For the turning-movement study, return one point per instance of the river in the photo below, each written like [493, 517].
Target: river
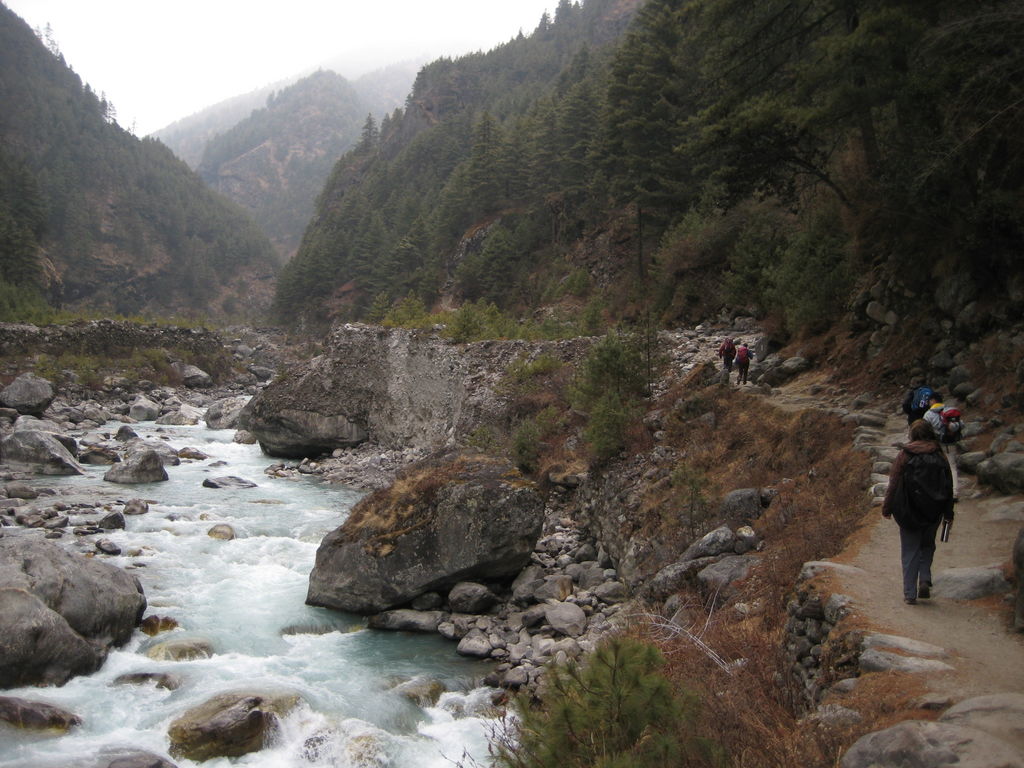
[246, 597]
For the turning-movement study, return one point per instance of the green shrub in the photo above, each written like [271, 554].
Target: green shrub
[615, 711]
[526, 445]
[605, 432]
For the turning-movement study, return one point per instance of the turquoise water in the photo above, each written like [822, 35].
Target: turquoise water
[245, 597]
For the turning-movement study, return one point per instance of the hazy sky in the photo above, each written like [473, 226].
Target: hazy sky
[161, 61]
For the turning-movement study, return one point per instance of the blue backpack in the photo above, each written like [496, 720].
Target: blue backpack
[921, 397]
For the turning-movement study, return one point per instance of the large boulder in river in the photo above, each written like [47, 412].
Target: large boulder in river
[39, 452]
[449, 518]
[27, 394]
[143, 467]
[396, 387]
[229, 724]
[60, 612]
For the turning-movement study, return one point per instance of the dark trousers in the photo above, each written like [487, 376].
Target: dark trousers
[917, 548]
[741, 372]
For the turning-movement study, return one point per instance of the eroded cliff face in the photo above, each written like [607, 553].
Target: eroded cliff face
[396, 388]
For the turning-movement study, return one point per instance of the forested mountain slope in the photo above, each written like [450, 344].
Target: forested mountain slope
[275, 161]
[787, 160]
[92, 217]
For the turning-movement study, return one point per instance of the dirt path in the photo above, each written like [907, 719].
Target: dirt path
[987, 655]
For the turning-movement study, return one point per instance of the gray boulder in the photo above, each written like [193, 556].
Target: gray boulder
[224, 414]
[39, 452]
[717, 542]
[124, 758]
[452, 517]
[406, 620]
[228, 481]
[716, 579]
[998, 714]
[36, 715]
[193, 376]
[970, 583]
[229, 724]
[470, 597]
[27, 394]
[1004, 472]
[921, 744]
[566, 618]
[743, 506]
[144, 467]
[167, 454]
[60, 612]
[186, 415]
[144, 409]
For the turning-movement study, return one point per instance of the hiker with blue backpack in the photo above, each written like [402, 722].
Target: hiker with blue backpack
[917, 402]
[919, 499]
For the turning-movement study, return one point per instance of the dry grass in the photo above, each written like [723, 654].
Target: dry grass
[751, 706]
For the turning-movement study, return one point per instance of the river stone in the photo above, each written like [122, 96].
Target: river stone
[125, 433]
[60, 612]
[163, 449]
[39, 452]
[21, 491]
[112, 521]
[192, 376]
[124, 758]
[229, 724]
[136, 507]
[221, 531]
[422, 691]
[36, 716]
[228, 481]
[406, 620]
[180, 649]
[471, 597]
[144, 467]
[143, 409]
[223, 414]
[566, 618]
[452, 517]
[153, 625]
[717, 578]
[163, 680]
[475, 644]
[923, 744]
[98, 455]
[186, 415]
[27, 394]
[107, 547]
[553, 587]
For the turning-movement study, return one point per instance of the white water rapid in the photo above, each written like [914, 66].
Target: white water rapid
[246, 598]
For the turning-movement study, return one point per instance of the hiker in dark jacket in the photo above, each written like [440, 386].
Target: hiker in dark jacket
[918, 521]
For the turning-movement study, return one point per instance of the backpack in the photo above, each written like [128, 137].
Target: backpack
[742, 355]
[927, 490]
[952, 426]
[920, 399]
[727, 350]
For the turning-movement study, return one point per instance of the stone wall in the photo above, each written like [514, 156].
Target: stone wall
[103, 337]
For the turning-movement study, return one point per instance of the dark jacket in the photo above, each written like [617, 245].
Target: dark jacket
[896, 476]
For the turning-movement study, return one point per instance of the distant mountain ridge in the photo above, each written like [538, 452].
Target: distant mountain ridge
[117, 224]
[275, 159]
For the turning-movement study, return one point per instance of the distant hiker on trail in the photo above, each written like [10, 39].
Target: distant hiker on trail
[727, 351]
[917, 402]
[919, 498]
[743, 356]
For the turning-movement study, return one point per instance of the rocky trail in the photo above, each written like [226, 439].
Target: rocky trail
[960, 640]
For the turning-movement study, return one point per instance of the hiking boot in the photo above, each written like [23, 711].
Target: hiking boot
[910, 600]
[924, 590]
